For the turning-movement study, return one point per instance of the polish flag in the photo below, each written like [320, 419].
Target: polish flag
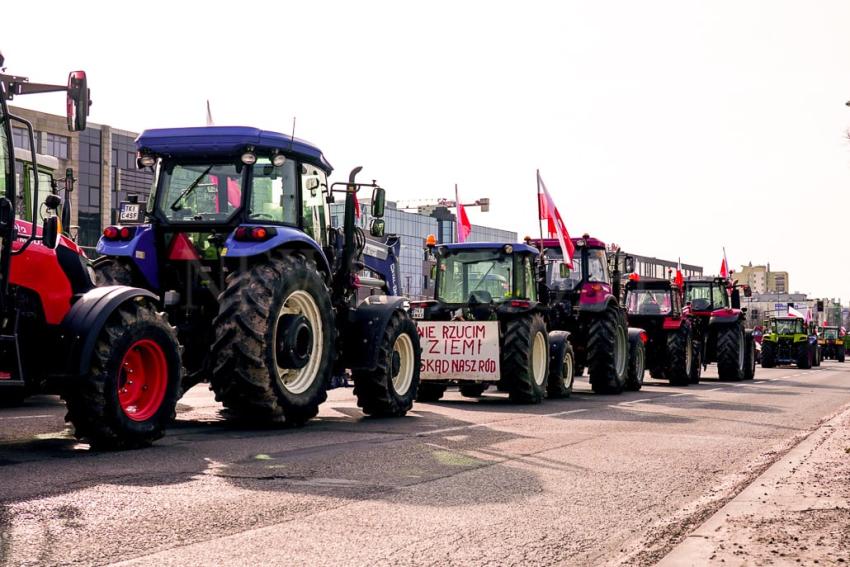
[680, 278]
[549, 212]
[464, 227]
[724, 266]
[794, 313]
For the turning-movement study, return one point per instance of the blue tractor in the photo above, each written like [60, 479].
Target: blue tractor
[237, 242]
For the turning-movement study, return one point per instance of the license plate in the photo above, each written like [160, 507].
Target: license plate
[418, 313]
[130, 212]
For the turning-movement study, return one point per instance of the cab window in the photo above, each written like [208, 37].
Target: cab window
[530, 287]
[718, 296]
[273, 193]
[314, 183]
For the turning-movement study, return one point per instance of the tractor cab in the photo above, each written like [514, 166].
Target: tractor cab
[705, 295]
[651, 298]
[479, 280]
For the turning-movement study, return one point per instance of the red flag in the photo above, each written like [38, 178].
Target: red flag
[680, 278]
[556, 223]
[724, 269]
[356, 205]
[464, 227]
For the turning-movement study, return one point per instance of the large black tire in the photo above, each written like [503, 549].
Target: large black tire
[730, 352]
[680, 355]
[607, 352]
[246, 376]
[749, 356]
[841, 353]
[430, 391]
[114, 271]
[561, 366]
[472, 389]
[525, 359]
[637, 364]
[804, 355]
[130, 394]
[390, 388]
[768, 354]
[695, 371]
[816, 354]
[12, 397]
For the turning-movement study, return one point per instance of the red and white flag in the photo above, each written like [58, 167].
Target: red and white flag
[794, 313]
[724, 266]
[680, 278]
[464, 227]
[549, 212]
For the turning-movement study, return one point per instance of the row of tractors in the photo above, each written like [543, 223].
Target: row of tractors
[516, 316]
[235, 273]
[787, 340]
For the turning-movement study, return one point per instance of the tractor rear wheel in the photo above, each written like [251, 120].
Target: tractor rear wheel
[637, 364]
[273, 352]
[430, 391]
[749, 356]
[389, 389]
[768, 354]
[525, 359]
[730, 352]
[695, 370]
[680, 355]
[561, 367]
[472, 390]
[130, 394]
[607, 352]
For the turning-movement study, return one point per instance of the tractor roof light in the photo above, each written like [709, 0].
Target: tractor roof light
[145, 159]
[509, 249]
[249, 157]
[430, 241]
[278, 159]
[581, 242]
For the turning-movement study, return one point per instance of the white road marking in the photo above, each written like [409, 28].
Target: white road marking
[475, 425]
[680, 394]
[714, 389]
[635, 401]
[25, 416]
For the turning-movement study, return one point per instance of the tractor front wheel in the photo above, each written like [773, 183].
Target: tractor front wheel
[749, 356]
[112, 271]
[274, 339]
[637, 364]
[841, 353]
[730, 352]
[130, 394]
[680, 355]
[390, 388]
[430, 391]
[768, 354]
[804, 356]
[561, 367]
[472, 390]
[608, 352]
[525, 359]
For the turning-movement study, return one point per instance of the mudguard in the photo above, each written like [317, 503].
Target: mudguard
[558, 341]
[724, 319]
[366, 329]
[86, 319]
[636, 334]
[286, 237]
[141, 249]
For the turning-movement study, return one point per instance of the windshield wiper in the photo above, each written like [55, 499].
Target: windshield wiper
[176, 206]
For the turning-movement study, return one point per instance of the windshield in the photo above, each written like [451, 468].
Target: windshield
[830, 333]
[787, 326]
[273, 196]
[705, 296]
[486, 275]
[597, 270]
[649, 302]
[200, 193]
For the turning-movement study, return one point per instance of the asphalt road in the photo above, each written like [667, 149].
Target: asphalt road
[589, 480]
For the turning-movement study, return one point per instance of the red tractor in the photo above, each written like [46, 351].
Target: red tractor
[583, 301]
[655, 305]
[714, 306]
[107, 351]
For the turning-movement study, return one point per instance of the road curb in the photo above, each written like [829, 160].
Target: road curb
[701, 544]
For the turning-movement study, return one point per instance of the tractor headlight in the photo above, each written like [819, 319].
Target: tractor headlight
[278, 159]
[249, 157]
[508, 249]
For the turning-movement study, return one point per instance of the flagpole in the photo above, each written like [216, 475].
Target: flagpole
[539, 214]
[458, 229]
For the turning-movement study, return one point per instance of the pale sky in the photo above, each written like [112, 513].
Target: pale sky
[672, 128]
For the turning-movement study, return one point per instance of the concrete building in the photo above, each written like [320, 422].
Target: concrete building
[104, 162]
[762, 280]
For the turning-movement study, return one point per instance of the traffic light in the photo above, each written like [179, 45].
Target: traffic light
[820, 305]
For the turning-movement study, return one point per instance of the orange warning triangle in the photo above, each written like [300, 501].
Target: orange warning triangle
[182, 249]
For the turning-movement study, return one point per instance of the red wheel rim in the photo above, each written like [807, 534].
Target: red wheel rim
[142, 380]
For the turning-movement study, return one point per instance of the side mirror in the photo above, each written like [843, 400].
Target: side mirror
[563, 271]
[748, 291]
[78, 101]
[377, 227]
[629, 264]
[379, 197]
[433, 272]
[50, 232]
[736, 299]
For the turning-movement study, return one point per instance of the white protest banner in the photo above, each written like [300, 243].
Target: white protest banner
[459, 350]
